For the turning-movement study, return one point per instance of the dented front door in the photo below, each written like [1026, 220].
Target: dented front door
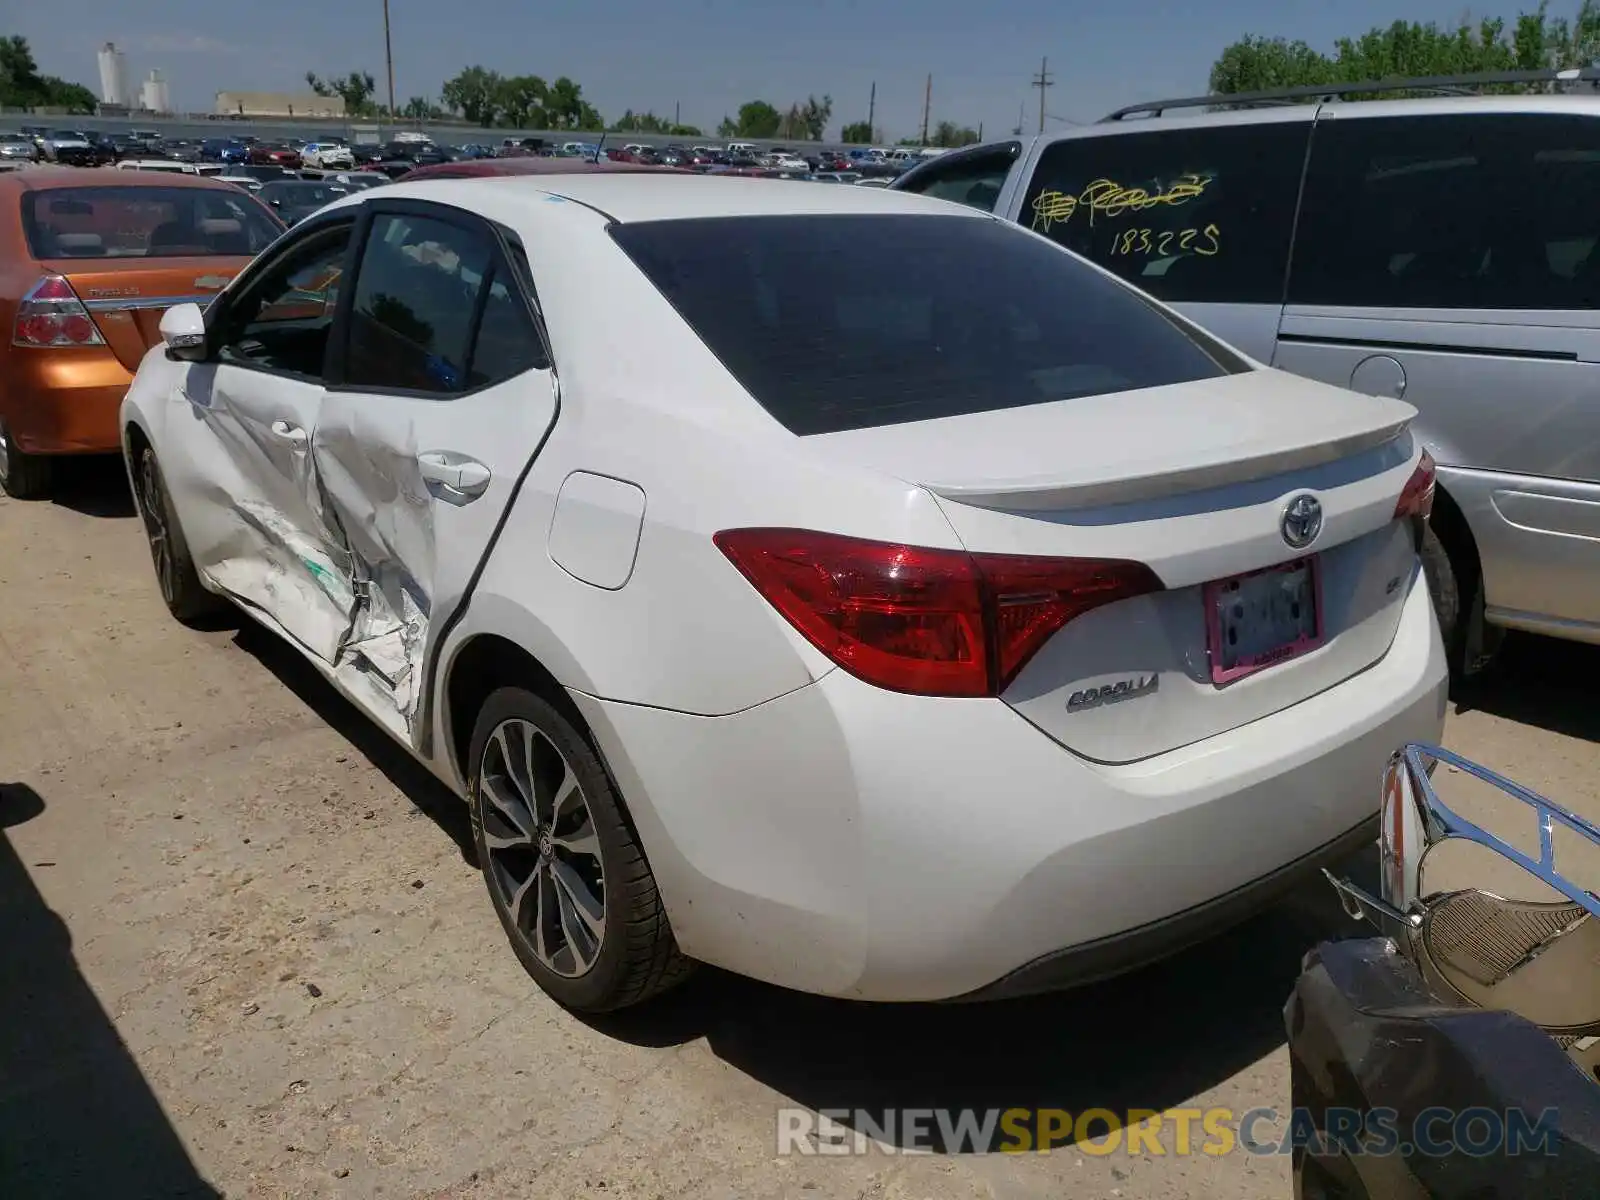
[238, 447]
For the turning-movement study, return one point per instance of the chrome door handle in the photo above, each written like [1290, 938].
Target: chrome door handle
[288, 432]
[464, 476]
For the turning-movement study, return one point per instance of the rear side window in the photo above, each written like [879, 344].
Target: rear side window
[415, 295]
[974, 316]
[1195, 215]
[145, 222]
[1491, 211]
[973, 178]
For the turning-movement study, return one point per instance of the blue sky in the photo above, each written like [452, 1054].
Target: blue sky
[711, 55]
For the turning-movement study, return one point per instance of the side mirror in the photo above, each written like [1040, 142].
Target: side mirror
[183, 329]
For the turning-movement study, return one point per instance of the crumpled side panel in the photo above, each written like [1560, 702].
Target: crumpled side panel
[372, 486]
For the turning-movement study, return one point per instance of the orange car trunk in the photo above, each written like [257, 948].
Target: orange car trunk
[128, 297]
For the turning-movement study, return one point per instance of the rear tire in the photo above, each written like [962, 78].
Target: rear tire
[1445, 589]
[24, 476]
[181, 590]
[565, 871]
[1455, 582]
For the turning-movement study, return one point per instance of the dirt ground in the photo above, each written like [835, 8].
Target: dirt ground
[246, 952]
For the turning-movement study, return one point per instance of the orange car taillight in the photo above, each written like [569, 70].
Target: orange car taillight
[50, 315]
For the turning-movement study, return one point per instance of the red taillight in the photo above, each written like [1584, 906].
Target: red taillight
[1416, 499]
[52, 315]
[913, 619]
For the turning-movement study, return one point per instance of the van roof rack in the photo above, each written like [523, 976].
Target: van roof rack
[1443, 85]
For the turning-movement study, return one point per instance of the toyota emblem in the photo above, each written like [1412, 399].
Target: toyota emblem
[1302, 521]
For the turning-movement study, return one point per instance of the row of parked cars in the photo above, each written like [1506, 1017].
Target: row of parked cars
[967, 630]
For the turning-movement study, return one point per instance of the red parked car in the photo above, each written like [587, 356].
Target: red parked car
[274, 154]
[477, 168]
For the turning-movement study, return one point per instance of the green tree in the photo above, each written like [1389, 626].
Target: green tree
[521, 102]
[648, 122]
[948, 133]
[806, 122]
[1408, 48]
[21, 85]
[420, 109]
[856, 132]
[757, 119]
[355, 89]
[475, 94]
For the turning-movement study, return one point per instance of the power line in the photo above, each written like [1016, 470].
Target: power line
[1041, 81]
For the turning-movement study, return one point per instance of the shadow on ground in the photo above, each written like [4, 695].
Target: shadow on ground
[77, 1118]
[1539, 681]
[1151, 1039]
[95, 485]
[414, 781]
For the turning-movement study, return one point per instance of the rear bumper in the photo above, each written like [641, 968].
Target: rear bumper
[63, 401]
[1077, 965]
[850, 841]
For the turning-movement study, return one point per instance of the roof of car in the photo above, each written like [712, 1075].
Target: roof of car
[628, 197]
[45, 178]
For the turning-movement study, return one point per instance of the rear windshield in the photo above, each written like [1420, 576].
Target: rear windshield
[145, 222]
[961, 315]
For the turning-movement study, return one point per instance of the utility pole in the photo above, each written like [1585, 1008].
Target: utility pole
[388, 55]
[980, 131]
[1017, 132]
[677, 112]
[872, 109]
[927, 105]
[1041, 81]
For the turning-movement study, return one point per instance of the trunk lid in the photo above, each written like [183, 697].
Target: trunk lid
[127, 297]
[1193, 481]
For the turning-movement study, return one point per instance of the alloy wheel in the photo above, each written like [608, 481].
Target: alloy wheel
[544, 854]
[153, 507]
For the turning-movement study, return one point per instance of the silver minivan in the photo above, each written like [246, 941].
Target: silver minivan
[1444, 251]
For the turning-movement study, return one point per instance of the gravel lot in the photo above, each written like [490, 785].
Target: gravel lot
[247, 952]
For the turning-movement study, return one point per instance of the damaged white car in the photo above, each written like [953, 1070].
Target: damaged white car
[970, 629]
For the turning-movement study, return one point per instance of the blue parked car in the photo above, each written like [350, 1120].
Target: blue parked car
[224, 150]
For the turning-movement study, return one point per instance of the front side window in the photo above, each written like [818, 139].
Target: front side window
[415, 296]
[280, 321]
[974, 316]
[145, 222]
[1481, 211]
[973, 178]
[1197, 215]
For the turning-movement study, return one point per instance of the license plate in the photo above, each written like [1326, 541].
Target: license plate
[1262, 618]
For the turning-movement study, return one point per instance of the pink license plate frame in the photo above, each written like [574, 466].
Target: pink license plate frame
[1304, 644]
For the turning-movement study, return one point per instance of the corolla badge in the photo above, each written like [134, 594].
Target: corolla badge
[1114, 693]
[1302, 521]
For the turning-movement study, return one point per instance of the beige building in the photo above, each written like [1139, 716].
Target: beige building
[278, 104]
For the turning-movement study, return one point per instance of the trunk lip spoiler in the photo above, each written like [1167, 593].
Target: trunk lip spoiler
[1156, 482]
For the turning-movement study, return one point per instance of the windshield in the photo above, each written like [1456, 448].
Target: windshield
[145, 222]
[976, 316]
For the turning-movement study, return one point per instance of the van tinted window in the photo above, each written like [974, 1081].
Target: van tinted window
[1187, 215]
[1490, 211]
[974, 316]
[970, 177]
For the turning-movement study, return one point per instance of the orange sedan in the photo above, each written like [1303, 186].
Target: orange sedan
[89, 261]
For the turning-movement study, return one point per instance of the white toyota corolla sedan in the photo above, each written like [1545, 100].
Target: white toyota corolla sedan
[970, 629]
